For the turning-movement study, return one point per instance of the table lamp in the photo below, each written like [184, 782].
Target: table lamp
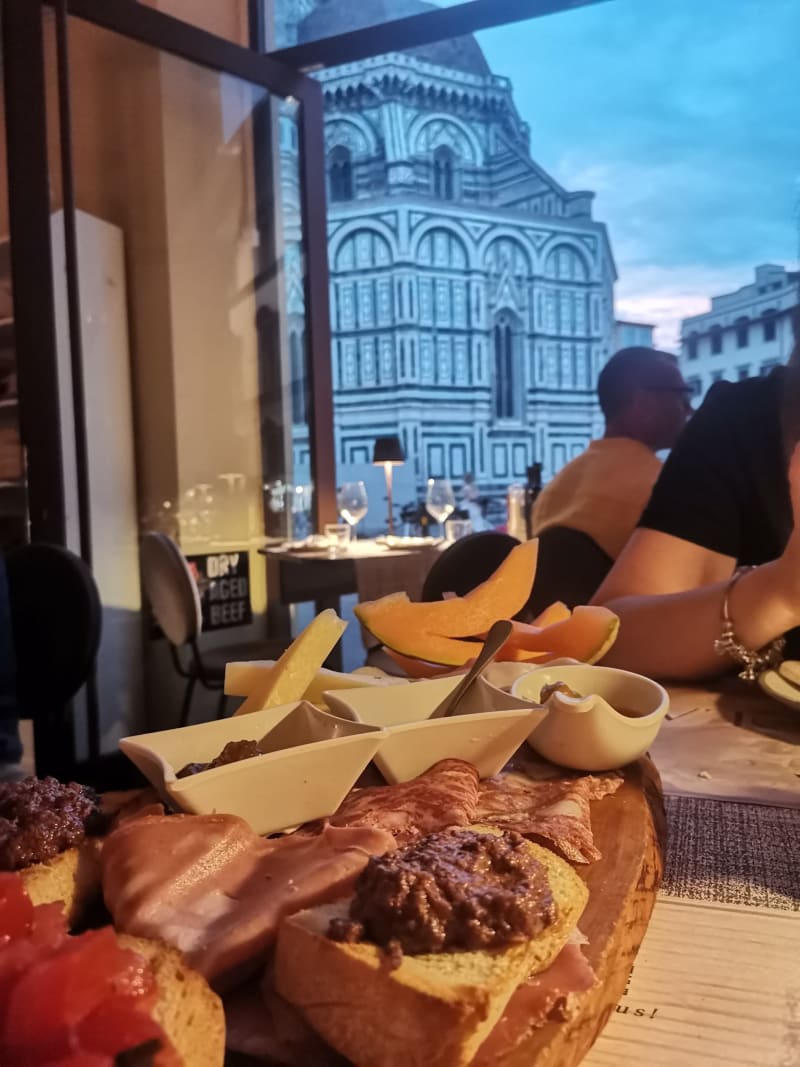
[388, 453]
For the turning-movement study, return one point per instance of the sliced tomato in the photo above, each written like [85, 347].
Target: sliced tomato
[16, 909]
[82, 1059]
[56, 993]
[117, 1025]
[49, 927]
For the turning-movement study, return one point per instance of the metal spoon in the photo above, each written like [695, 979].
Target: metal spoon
[495, 639]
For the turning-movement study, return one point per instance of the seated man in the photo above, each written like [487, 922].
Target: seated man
[603, 491]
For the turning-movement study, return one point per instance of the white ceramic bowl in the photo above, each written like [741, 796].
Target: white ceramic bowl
[312, 760]
[614, 722]
[486, 732]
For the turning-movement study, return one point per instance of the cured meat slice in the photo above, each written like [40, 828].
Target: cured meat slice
[552, 994]
[261, 1024]
[445, 795]
[554, 811]
[210, 887]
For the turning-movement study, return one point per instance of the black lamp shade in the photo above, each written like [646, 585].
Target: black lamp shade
[388, 450]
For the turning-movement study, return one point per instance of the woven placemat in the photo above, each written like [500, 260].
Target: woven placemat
[728, 853]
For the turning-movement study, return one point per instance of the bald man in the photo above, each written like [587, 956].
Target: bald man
[603, 491]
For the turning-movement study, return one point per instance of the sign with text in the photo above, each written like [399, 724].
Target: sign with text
[223, 579]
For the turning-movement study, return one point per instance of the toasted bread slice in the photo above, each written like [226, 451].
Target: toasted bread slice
[187, 1009]
[73, 877]
[433, 1010]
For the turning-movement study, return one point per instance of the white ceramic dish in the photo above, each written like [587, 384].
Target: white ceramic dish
[487, 730]
[588, 733]
[780, 689]
[503, 675]
[311, 760]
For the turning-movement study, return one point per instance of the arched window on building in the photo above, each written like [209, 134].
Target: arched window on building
[340, 174]
[716, 340]
[505, 339]
[297, 365]
[444, 168]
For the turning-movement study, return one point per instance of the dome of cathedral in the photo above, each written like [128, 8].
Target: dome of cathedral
[332, 17]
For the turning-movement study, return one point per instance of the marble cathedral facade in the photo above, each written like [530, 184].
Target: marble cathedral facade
[471, 295]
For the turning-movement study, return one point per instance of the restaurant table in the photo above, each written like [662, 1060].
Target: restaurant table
[368, 568]
[717, 978]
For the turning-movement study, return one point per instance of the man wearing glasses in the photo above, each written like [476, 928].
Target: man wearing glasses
[603, 491]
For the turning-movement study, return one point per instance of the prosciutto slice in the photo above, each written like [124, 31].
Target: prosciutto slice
[209, 886]
[262, 1025]
[445, 795]
[554, 811]
[553, 994]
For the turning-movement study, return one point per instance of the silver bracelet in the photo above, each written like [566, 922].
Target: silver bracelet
[728, 644]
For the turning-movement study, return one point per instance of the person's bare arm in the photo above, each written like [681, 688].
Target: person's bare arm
[668, 594]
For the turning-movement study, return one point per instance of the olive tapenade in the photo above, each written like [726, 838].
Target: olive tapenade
[234, 752]
[452, 890]
[42, 817]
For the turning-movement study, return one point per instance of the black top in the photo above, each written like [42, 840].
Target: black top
[724, 485]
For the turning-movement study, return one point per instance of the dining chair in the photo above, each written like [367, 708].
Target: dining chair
[571, 567]
[172, 591]
[56, 618]
[466, 563]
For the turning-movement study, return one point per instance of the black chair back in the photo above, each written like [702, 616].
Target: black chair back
[467, 563]
[571, 568]
[56, 621]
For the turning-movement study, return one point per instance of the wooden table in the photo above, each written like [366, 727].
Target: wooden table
[717, 979]
[323, 578]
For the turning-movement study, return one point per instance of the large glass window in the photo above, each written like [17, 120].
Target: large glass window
[523, 171]
[191, 281]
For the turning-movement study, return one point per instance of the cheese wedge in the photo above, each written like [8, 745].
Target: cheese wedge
[293, 672]
[242, 676]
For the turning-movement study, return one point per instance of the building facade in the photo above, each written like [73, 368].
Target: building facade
[746, 333]
[471, 294]
[632, 335]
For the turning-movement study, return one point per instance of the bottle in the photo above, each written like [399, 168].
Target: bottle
[532, 490]
[515, 505]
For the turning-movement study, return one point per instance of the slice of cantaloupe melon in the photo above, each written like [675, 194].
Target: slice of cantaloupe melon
[586, 634]
[500, 597]
[417, 668]
[557, 612]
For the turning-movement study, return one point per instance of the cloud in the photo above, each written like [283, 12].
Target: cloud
[685, 121]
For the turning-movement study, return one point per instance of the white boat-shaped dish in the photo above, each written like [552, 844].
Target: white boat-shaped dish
[486, 731]
[311, 760]
[613, 722]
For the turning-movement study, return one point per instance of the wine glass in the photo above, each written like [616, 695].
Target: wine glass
[440, 500]
[352, 501]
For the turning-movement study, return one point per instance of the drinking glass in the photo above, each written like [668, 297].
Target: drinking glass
[455, 529]
[440, 500]
[352, 501]
[338, 535]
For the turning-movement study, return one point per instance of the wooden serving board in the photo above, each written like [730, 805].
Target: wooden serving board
[629, 829]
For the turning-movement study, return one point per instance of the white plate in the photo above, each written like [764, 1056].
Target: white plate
[778, 688]
[486, 732]
[313, 760]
